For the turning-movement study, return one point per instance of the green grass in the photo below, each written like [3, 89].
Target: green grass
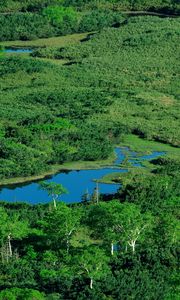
[111, 178]
[82, 238]
[120, 74]
[133, 142]
[53, 61]
[59, 41]
[138, 144]
[75, 165]
[125, 178]
[141, 146]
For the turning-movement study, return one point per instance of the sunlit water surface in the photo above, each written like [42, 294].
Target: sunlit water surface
[76, 182]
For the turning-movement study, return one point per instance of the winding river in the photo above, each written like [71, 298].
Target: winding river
[76, 182]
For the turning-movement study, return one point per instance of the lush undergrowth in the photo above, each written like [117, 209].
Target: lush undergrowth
[58, 41]
[39, 19]
[69, 103]
[126, 248]
[121, 81]
[54, 21]
[38, 5]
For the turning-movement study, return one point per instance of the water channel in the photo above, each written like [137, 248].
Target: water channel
[76, 182]
[18, 50]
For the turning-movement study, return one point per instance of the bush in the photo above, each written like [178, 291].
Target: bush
[98, 19]
[21, 294]
[24, 26]
[64, 19]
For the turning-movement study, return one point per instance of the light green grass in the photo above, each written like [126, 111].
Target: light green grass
[59, 41]
[82, 238]
[138, 144]
[124, 178]
[23, 55]
[51, 60]
[133, 142]
[141, 146]
[111, 178]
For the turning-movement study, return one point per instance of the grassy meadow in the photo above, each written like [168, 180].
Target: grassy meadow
[57, 41]
[119, 86]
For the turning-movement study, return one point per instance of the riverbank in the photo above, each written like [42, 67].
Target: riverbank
[70, 39]
[138, 144]
[134, 143]
[54, 169]
[58, 41]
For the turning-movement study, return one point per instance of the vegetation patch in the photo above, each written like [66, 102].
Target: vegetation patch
[114, 89]
[66, 107]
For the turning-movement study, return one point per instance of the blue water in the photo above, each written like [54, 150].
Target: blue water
[120, 155]
[151, 156]
[137, 160]
[76, 182]
[18, 50]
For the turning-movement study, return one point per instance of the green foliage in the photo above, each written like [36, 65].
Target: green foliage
[1, 51]
[54, 190]
[121, 224]
[98, 19]
[28, 27]
[94, 263]
[10, 6]
[46, 18]
[19, 159]
[54, 20]
[61, 225]
[166, 166]
[151, 192]
[119, 84]
[50, 259]
[34, 5]
[59, 15]
[120, 80]
[21, 294]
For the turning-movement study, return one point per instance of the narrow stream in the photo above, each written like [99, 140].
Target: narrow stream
[18, 50]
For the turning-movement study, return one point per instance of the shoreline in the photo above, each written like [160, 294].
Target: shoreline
[68, 166]
[55, 169]
[131, 141]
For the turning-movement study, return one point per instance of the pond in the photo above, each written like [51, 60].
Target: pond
[18, 50]
[76, 182]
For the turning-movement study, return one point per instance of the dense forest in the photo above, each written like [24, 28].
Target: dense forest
[98, 72]
[124, 248]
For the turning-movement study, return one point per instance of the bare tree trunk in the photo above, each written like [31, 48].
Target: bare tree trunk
[3, 253]
[68, 236]
[133, 247]
[132, 244]
[54, 200]
[9, 245]
[112, 249]
[91, 283]
[67, 245]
